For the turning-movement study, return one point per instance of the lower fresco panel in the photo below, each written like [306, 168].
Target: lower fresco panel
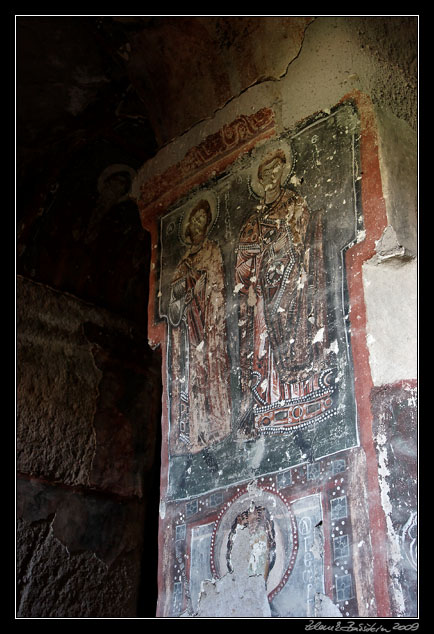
[291, 530]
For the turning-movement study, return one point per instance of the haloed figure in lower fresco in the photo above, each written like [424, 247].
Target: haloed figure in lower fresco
[252, 532]
[283, 330]
[200, 401]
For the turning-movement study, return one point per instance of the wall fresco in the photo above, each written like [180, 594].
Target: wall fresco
[253, 290]
[293, 529]
[259, 379]
[277, 478]
[200, 412]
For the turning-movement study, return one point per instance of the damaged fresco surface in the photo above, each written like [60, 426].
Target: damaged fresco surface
[271, 498]
[252, 289]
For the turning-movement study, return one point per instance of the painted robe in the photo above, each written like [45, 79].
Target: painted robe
[280, 274]
[200, 374]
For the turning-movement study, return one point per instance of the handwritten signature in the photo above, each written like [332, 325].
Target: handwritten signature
[352, 626]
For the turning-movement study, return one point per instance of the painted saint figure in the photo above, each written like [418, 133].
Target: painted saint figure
[200, 402]
[281, 277]
[256, 554]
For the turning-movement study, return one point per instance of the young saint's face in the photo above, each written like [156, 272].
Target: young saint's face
[271, 173]
[197, 226]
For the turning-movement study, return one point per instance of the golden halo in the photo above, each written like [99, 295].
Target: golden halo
[266, 152]
[211, 198]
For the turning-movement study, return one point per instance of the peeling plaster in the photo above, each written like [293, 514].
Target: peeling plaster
[324, 607]
[258, 457]
[394, 550]
[233, 596]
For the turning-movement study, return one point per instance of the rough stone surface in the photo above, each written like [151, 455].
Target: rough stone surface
[55, 583]
[398, 154]
[83, 392]
[338, 55]
[88, 402]
[221, 56]
[82, 520]
[56, 406]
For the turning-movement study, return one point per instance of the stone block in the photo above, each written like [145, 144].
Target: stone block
[78, 555]
[87, 393]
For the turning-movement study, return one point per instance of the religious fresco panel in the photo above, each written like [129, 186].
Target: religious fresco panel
[253, 291]
[260, 405]
[299, 538]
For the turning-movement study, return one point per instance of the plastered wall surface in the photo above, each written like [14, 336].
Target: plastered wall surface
[272, 242]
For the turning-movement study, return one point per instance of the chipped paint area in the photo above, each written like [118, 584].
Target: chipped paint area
[395, 422]
[319, 335]
[394, 550]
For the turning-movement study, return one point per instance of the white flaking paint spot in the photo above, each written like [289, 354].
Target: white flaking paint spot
[319, 335]
[361, 235]
[333, 347]
[199, 347]
[162, 509]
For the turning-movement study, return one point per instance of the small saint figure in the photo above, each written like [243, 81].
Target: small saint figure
[199, 394]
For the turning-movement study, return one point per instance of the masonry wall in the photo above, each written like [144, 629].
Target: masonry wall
[84, 461]
[88, 392]
[285, 313]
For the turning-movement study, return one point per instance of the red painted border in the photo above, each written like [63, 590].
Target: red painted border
[375, 221]
[202, 162]
[328, 557]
